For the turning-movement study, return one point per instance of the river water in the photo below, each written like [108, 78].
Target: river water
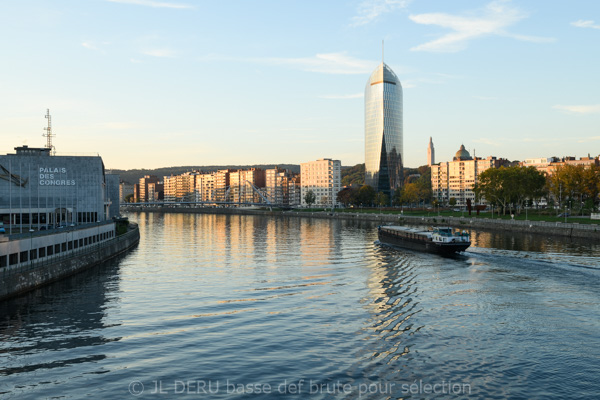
[215, 306]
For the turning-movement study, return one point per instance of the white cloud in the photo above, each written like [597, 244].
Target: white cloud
[342, 96]
[489, 142]
[370, 10]
[329, 63]
[150, 3]
[580, 109]
[164, 53]
[585, 24]
[589, 139]
[492, 20]
[326, 63]
[89, 45]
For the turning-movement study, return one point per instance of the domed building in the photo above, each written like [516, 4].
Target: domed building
[462, 154]
[457, 178]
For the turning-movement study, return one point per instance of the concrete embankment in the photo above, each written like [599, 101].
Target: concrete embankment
[574, 230]
[18, 279]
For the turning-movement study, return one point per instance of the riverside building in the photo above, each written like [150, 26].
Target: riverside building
[52, 207]
[57, 218]
[38, 189]
[180, 187]
[323, 177]
[457, 178]
[383, 131]
[549, 165]
[148, 189]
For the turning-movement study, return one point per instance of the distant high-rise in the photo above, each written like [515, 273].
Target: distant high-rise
[430, 153]
[383, 131]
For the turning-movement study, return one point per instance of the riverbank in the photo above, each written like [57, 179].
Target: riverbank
[574, 230]
[21, 278]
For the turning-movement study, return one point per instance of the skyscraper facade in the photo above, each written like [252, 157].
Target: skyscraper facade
[383, 131]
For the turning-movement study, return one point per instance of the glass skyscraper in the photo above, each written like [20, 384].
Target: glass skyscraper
[383, 131]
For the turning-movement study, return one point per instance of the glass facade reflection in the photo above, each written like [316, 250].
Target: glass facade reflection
[383, 131]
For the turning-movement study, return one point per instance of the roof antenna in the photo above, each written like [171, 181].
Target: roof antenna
[49, 134]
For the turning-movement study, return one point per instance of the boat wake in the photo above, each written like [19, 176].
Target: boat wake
[563, 261]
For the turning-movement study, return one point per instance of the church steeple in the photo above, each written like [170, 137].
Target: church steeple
[430, 153]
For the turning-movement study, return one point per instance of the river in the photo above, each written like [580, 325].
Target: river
[250, 307]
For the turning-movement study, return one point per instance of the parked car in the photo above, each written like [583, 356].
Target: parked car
[2, 230]
[565, 214]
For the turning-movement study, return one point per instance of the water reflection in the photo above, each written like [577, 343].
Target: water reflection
[46, 329]
[536, 243]
[273, 300]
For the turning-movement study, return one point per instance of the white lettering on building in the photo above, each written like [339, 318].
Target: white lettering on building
[54, 177]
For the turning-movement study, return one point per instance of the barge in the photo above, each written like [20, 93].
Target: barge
[439, 240]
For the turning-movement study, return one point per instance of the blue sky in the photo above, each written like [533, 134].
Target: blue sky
[153, 83]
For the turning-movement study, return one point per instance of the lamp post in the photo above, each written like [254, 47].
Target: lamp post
[30, 245]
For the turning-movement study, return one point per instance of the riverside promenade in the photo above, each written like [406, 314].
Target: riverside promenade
[572, 230]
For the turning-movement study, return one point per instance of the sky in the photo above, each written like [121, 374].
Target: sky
[158, 83]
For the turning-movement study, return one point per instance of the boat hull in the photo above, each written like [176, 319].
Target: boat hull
[421, 243]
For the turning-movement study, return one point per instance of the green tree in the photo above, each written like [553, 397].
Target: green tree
[510, 187]
[310, 198]
[382, 199]
[129, 198]
[452, 201]
[366, 196]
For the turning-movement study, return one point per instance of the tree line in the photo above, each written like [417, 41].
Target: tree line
[512, 188]
[508, 188]
[416, 189]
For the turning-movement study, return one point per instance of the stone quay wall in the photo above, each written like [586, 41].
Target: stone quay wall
[18, 279]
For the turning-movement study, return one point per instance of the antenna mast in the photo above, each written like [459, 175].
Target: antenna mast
[48, 133]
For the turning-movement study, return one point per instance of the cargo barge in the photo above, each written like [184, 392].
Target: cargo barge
[439, 240]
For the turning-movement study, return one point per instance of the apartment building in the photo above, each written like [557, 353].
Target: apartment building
[457, 178]
[323, 177]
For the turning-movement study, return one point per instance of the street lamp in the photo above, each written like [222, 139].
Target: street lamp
[30, 245]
